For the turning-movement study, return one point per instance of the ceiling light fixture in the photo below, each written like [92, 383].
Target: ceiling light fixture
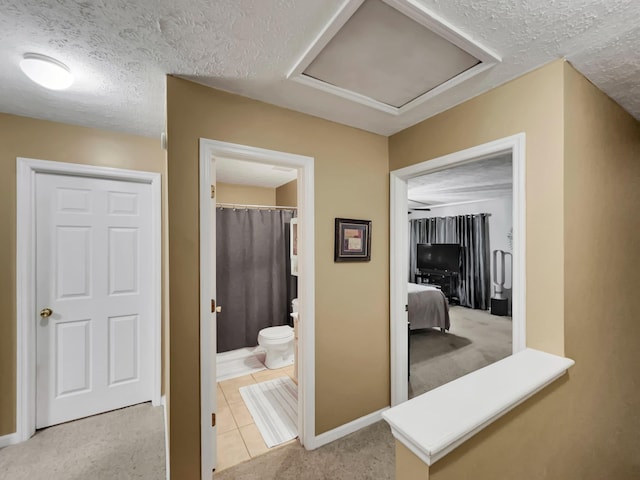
[46, 71]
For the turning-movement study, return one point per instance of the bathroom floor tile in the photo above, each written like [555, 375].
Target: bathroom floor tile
[253, 440]
[224, 419]
[231, 450]
[220, 396]
[241, 414]
[269, 375]
[231, 387]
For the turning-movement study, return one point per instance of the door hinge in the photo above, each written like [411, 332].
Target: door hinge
[406, 308]
[213, 191]
[213, 419]
[213, 305]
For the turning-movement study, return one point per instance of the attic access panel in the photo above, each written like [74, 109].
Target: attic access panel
[391, 55]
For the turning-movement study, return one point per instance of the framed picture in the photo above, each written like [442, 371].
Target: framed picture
[353, 240]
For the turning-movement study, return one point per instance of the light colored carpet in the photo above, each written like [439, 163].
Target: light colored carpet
[364, 455]
[237, 363]
[476, 339]
[123, 444]
[274, 408]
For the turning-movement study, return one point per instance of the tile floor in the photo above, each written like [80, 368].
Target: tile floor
[238, 437]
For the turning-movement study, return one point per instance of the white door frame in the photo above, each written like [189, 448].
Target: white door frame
[27, 168]
[399, 258]
[209, 149]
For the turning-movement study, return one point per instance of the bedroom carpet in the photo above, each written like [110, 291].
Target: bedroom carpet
[363, 455]
[123, 444]
[476, 339]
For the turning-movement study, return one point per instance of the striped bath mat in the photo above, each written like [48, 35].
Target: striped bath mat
[274, 408]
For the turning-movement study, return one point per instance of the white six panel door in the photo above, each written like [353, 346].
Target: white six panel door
[93, 268]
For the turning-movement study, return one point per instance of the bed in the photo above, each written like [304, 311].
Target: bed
[428, 307]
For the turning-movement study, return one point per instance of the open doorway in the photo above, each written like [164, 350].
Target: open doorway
[257, 359]
[432, 253]
[256, 292]
[460, 270]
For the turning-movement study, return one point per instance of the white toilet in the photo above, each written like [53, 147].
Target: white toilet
[278, 345]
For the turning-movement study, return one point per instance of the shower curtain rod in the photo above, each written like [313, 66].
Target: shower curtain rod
[263, 207]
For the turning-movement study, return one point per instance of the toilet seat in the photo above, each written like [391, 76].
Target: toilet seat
[276, 333]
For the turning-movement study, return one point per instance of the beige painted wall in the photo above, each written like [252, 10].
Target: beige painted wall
[585, 426]
[602, 281]
[30, 138]
[351, 180]
[408, 465]
[245, 194]
[287, 194]
[530, 104]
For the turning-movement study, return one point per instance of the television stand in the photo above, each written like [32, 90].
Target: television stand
[445, 280]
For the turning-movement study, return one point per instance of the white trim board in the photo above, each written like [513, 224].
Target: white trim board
[399, 240]
[209, 149]
[420, 14]
[27, 169]
[7, 440]
[484, 396]
[347, 428]
[163, 402]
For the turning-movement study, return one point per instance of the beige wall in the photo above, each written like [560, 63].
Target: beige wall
[26, 137]
[602, 281]
[585, 426]
[351, 180]
[408, 465]
[530, 104]
[287, 194]
[245, 194]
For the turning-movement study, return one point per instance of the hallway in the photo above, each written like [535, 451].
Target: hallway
[124, 444]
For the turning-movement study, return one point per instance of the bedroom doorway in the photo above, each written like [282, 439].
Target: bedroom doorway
[230, 401]
[453, 254]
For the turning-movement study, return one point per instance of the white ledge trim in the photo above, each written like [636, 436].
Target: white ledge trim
[434, 423]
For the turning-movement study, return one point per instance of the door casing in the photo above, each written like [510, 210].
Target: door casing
[26, 314]
[209, 149]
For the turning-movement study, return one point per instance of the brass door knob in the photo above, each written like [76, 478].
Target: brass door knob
[46, 312]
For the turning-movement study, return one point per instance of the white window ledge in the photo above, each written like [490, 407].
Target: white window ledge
[434, 423]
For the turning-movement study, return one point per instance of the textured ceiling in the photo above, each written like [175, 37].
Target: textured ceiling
[121, 50]
[472, 182]
[241, 172]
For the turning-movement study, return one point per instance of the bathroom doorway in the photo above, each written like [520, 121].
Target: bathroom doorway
[256, 290]
[257, 356]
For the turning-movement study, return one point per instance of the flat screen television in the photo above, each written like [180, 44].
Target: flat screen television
[439, 256]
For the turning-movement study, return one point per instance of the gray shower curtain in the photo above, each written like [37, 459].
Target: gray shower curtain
[253, 281]
[472, 233]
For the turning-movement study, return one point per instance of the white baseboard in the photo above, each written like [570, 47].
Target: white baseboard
[11, 439]
[346, 429]
[163, 402]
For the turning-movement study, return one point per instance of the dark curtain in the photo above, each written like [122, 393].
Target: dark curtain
[253, 283]
[472, 233]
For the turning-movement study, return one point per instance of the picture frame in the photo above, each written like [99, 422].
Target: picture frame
[352, 240]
